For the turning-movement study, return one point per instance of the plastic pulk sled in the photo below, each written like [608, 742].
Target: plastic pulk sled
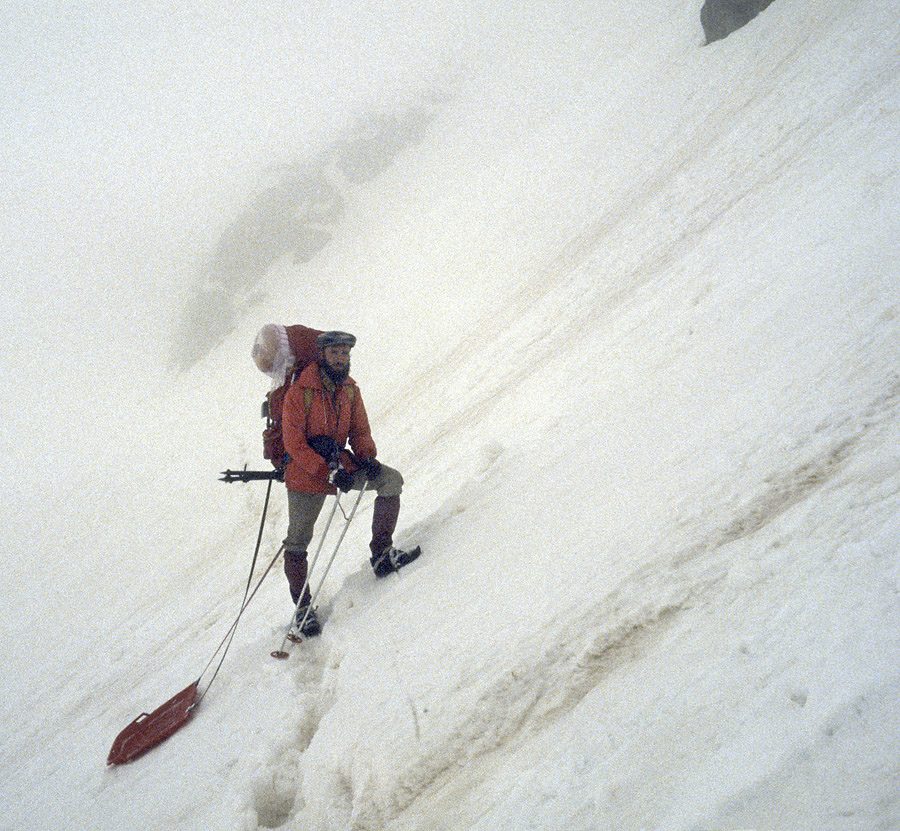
[149, 729]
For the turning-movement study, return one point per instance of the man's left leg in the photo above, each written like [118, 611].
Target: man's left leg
[388, 485]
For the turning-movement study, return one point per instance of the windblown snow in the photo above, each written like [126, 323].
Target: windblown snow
[628, 321]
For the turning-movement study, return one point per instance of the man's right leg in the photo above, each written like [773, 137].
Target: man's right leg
[303, 511]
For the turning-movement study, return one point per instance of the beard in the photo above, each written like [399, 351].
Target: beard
[336, 374]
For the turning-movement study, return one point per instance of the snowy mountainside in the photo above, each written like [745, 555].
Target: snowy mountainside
[634, 348]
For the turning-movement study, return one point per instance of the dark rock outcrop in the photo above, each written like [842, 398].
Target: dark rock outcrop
[722, 17]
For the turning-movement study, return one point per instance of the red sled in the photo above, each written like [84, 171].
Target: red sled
[149, 729]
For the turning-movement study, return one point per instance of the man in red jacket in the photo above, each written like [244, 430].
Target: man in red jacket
[323, 410]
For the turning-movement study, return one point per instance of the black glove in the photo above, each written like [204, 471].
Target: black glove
[372, 467]
[343, 480]
[326, 447]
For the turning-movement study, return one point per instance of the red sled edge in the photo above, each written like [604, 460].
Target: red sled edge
[149, 729]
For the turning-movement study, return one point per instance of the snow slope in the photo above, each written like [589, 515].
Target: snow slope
[628, 324]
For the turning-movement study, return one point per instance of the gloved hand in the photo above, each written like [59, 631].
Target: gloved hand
[372, 467]
[343, 480]
[326, 447]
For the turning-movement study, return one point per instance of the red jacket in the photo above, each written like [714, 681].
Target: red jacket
[314, 407]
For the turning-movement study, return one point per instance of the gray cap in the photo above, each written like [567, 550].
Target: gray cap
[335, 339]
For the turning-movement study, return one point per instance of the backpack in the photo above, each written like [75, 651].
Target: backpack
[302, 344]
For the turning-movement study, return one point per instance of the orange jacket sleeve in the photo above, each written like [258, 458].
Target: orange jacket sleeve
[360, 435]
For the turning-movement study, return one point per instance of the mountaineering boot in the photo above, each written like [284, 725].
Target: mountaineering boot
[305, 623]
[393, 559]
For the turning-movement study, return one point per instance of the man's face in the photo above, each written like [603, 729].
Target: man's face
[337, 358]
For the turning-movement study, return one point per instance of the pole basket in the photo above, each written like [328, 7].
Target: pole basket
[149, 729]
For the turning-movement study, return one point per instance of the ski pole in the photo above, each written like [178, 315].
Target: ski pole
[281, 653]
[334, 553]
[334, 507]
[312, 565]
